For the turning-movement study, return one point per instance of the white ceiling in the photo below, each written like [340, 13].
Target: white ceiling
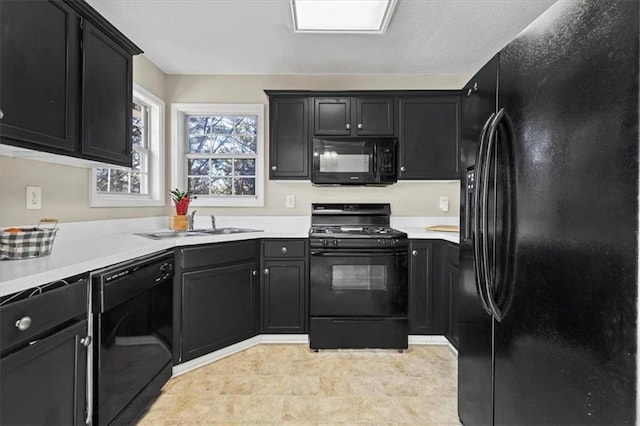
[255, 36]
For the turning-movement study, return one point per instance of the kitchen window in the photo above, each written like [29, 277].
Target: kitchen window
[140, 185]
[218, 153]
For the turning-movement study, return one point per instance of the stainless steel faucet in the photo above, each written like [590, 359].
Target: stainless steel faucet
[213, 222]
[190, 218]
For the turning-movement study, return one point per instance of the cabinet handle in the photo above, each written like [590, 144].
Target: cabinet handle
[254, 272]
[360, 126]
[348, 126]
[86, 341]
[266, 271]
[284, 250]
[403, 169]
[1, 114]
[414, 253]
[274, 168]
[23, 323]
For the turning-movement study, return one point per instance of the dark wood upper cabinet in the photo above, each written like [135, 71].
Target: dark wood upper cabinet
[429, 137]
[289, 138]
[361, 116]
[66, 75]
[39, 75]
[374, 116]
[106, 98]
[332, 116]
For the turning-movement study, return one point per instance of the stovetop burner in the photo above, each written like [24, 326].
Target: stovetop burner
[362, 231]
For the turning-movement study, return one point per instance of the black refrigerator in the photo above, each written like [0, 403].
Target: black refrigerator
[549, 223]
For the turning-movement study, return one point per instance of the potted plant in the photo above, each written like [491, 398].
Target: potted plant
[182, 200]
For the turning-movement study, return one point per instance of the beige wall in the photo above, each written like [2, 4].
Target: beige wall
[65, 189]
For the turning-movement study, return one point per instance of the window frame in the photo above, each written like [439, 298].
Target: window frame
[155, 173]
[179, 144]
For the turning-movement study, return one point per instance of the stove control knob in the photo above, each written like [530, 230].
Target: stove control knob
[335, 243]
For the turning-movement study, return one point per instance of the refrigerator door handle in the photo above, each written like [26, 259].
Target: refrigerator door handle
[489, 273]
[477, 253]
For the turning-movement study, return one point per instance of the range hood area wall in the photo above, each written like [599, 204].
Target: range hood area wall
[65, 189]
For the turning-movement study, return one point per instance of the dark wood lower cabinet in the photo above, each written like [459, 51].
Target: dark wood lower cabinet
[284, 286]
[45, 383]
[284, 296]
[216, 297]
[433, 286]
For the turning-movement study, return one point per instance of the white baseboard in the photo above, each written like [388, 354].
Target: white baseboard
[284, 338]
[215, 356]
[432, 340]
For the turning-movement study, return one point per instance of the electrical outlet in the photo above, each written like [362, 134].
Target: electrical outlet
[291, 201]
[444, 203]
[34, 198]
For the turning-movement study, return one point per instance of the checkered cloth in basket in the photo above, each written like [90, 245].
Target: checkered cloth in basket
[28, 243]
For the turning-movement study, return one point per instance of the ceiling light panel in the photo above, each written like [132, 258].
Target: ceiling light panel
[342, 16]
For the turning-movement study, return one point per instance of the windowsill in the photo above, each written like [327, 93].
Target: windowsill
[119, 201]
[203, 201]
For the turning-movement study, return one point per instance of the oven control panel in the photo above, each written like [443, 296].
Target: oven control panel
[358, 243]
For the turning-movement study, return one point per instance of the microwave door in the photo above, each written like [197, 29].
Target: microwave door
[343, 163]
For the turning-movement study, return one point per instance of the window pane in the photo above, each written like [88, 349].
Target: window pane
[246, 144]
[198, 167]
[246, 124]
[119, 181]
[245, 186]
[221, 186]
[136, 136]
[223, 144]
[245, 166]
[102, 180]
[223, 125]
[135, 165]
[135, 183]
[221, 167]
[200, 144]
[198, 185]
[199, 125]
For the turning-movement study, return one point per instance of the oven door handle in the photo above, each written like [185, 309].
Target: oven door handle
[343, 253]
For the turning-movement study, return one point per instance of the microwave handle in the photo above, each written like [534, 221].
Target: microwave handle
[375, 161]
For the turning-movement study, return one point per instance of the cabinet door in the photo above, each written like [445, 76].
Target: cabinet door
[428, 138]
[284, 296]
[45, 383]
[453, 276]
[106, 98]
[39, 75]
[421, 274]
[218, 308]
[374, 116]
[289, 140]
[332, 116]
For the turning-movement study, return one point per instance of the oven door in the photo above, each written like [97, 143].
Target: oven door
[343, 162]
[365, 283]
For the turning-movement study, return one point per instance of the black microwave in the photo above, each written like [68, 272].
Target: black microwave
[354, 161]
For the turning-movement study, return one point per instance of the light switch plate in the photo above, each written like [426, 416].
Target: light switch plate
[34, 198]
[291, 201]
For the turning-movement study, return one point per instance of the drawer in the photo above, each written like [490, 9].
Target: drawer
[218, 254]
[45, 312]
[452, 254]
[284, 248]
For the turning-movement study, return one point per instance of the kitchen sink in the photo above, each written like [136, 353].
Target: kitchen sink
[195, 233]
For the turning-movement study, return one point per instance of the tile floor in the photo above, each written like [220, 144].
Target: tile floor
[289, 384]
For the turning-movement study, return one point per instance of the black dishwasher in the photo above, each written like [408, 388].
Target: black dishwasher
[133, 336]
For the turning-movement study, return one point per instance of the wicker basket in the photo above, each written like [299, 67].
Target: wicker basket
[26, 243]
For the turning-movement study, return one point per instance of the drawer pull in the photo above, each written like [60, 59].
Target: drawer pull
[23, 323]
[86, 341]
[284, 250]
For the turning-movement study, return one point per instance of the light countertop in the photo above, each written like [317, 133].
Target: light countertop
[86, 246]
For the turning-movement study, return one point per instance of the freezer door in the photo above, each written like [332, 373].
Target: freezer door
[565, 351]
[475, 393]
